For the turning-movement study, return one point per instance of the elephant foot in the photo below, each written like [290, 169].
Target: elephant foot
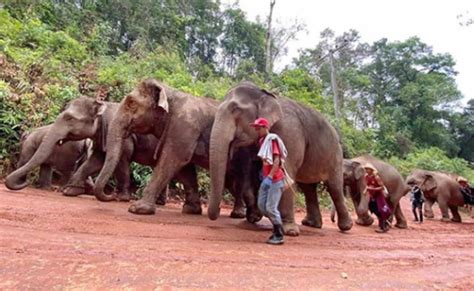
[312, 222]
[142, 207]
[253, 215]
[428, 215]
[366, 221]
[456, 219]
[345, 223]
[444, 219]
[192, 209]
[401, 224]
[291, 229]
[89, 187]
[238, 213]
[73, 191]
[124, 197]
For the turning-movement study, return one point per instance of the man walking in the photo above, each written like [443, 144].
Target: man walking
[272, 152]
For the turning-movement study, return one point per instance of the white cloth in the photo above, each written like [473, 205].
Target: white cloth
[266, 150]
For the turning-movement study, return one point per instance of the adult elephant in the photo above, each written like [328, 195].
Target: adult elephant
[64, 161]
[438, 187]
[354, 180]
[314, 152]
[183, 124]
[84, 118]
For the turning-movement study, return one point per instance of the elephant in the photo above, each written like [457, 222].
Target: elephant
[354, 180]
[64, 160]
[84, 118]
[314, 151]
[183, 123]
[438, 187]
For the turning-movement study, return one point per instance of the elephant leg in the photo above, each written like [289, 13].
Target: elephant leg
[172, 159]
[45, 176]
[455, 213]
[77, 183]
[401, 220]
[163, 196]
[287, 213]
[335, 189]
[122, 175]
[429, 208]
[252, 213]
[443, 206]
[313, 213]
[333, 212]
[237, 189]
[188, 177]
[238, 210]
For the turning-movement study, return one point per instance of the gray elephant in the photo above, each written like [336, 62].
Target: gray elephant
[64, 161]
[182, 123]
[438, 187]
[354, 181]
[83, 118]
[313, 145]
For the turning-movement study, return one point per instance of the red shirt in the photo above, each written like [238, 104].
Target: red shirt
[372, 182]
[279, 174]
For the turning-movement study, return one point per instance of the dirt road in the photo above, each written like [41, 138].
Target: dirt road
[50, 241]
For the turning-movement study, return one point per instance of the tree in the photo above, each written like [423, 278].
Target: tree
[242, 41]
[268, 42]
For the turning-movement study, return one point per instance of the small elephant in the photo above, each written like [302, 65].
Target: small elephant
[182, 123]
[354, 180]
[64, 161]
[438, 187]
[314, 151]
[84, 118]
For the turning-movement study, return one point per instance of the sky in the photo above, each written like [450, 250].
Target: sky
[435, 22]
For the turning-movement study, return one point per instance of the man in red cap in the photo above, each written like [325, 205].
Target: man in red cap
[272, 152]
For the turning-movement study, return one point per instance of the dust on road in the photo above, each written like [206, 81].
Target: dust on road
[51, 241]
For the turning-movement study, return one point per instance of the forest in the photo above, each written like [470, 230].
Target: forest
[397, 100]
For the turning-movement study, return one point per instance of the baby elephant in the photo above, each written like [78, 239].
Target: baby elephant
[416, 198]
[64, 160]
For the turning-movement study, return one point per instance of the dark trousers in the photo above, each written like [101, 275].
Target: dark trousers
[417, 205]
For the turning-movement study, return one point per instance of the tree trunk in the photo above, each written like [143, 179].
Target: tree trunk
[268, 44]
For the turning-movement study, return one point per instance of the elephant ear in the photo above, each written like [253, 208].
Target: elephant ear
[158, 94]
[269, 108]
[430, 183]
[359, 172]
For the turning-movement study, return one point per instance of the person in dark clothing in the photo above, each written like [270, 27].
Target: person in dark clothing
[466, 190]
[417, 201]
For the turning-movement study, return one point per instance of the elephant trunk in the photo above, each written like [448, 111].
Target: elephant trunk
[114, 146]
[222, 135]
[361, 202]
[17, 179]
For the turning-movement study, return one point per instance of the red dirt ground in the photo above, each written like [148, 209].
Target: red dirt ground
[48, 241]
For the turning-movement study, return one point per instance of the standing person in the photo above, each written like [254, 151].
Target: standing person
[466, 190]
[272, 152]
[377, 205]
[417, 202]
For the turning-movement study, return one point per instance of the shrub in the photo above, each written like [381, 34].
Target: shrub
[433, 159]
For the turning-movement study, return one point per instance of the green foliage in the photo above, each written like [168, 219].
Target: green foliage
[433, 159]
[140, 175]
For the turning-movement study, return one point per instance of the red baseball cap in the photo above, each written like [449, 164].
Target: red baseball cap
[260, 122]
